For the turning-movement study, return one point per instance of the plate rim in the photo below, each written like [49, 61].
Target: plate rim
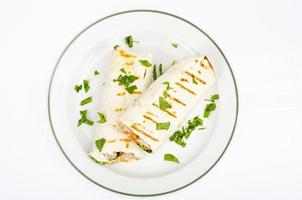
[133, 11]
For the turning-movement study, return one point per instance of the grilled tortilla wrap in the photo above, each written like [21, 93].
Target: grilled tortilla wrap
[168, 100]
[118, 146]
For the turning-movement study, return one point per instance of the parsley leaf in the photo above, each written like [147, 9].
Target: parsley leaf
[96, 72]
[170, 157]
[163, 104]
[131, 89]
[100, 144]
[77, 88]
[86, 101]
[163, 126]
[145, 63]
[102, 118]
[86, 85]
[129, 41]
[174, 45]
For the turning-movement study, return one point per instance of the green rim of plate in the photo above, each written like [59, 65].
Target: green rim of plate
[121, 13]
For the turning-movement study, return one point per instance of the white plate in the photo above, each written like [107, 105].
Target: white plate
[91, 49]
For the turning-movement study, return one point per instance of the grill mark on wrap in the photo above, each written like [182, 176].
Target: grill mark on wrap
[126, 55]
[208, 62]
[185, 88]
[176, 100]
[184, 80]
[135, 126]
[125, 139]
[195, 77]
[166, 111]
[121, 93]
[150, 119]
[152, 114]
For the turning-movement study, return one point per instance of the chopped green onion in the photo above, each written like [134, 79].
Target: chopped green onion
[84, 119]
[129, 41]
[86, 101]
[174, 45]
[160, 69]
[145, 63]
[154, 73]
[208, 109]
[131, 89]
[163, 104]
[179, 135]
[123, 71]
[168, 85]
[102, 118]
[170, 157]
[77, 88]
[100, 144]
[194, 81]
[165, 94]
[96, 72]
[145, 73]
[86, 85]
[215, 97]
[163, 126]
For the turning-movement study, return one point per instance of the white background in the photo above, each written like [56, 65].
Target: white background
[261, 39]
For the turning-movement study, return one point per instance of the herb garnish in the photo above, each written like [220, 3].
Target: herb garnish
[145, 63]
[168, 85]
[211, 106]
[131, 89]
[100, 144]
[163, 126]
[174, 45]
[126, 81]
[77, 88]
[163, 104]
[145, 73]
[129, 41]
[154, 73]
[86, 85]
[102, 118]
[84, 119]
[123, 71]
[96, 72]
[160, 69]
[170, 157]
[215, 97]
[179, 135]
[86, 101]
[208, 109]
[165, 94]
[194, 81]
[115, 47]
